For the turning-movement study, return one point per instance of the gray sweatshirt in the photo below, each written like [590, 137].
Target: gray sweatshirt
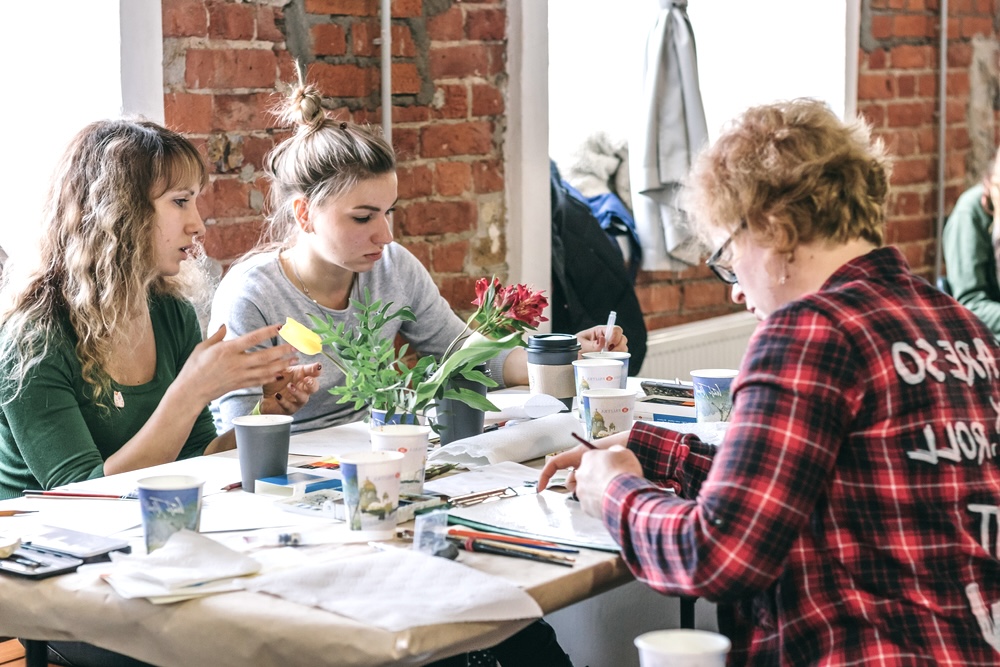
[256, 292]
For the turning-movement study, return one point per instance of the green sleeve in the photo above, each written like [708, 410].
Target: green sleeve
[969, 258]
[203, 431]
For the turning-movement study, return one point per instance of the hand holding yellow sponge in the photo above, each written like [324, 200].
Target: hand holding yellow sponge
[301, 337]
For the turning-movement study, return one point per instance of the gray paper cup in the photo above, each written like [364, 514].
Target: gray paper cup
[262, 445]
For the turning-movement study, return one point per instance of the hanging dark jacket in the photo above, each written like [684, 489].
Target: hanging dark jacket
[589, 278]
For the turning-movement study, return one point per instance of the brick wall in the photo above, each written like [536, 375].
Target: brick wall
[224, 59]
[898, 90]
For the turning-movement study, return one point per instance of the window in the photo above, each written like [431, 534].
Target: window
[68, 63]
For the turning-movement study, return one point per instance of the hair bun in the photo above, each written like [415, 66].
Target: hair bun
[303, 107]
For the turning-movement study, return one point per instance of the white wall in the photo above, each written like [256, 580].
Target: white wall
[64, 69]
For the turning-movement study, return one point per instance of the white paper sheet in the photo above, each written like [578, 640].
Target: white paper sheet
[331, 441]
[390, 590]
[518, 442]
[485, 478]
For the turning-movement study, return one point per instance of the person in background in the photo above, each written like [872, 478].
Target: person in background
[970, 243]
[103, 365]
[849, 514]
[333, 186]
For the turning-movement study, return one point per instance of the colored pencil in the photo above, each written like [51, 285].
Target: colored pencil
[583, 442]
[16, 512]
[76, 494]
[496, 537]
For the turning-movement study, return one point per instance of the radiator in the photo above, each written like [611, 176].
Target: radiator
[718, 342]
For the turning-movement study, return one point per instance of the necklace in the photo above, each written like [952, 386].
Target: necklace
[305, 290]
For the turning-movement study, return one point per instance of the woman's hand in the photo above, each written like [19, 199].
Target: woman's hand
[290, 390]
[592, 340]
[217, 366]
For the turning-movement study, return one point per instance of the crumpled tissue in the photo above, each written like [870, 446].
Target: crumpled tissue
[518, 442]
[189, 564]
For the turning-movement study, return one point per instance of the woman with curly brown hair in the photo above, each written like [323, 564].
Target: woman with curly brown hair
[848, 517]
[103, 366]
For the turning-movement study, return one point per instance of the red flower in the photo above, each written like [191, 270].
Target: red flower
[504, 310]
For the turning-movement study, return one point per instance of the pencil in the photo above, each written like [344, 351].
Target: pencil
[15, 512]
[478, 546]
[496, 537]
[584, 442]
[76, 494]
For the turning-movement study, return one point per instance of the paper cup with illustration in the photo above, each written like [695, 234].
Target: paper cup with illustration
[620, 356]
[371, 490]
[713, 397]
[682, 648]
[411, 440]
[596, 374]
[169, 503]
[607, 411]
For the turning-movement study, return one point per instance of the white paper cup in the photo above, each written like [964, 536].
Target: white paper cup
[620, 356]
[713, 396]
[371, 490]
[682, 648]
[607, 411]
[169, 503]
[411, 441]
[597, 374]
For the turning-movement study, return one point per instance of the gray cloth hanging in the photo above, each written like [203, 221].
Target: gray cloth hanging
[670, 133]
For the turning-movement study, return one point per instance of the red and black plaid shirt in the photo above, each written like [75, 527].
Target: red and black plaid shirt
[850, 516]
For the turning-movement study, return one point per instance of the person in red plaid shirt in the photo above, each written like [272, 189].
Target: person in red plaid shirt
[850, 514]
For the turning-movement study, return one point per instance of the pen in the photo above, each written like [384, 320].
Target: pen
[15, 512]
[482, 547]
[524, 541]
[77, 494]
[233, 486]
[609, 329]
[584, 442]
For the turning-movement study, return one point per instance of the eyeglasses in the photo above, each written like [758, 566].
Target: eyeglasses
[722, 268]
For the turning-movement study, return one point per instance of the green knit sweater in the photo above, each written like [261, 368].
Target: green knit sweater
[969, 259]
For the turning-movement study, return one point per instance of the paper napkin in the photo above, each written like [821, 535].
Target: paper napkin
[518, 442]
[400, 589]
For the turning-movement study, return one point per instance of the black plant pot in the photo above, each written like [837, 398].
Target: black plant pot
[456, 419]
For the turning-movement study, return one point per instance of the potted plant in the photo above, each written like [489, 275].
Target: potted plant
[376, 373]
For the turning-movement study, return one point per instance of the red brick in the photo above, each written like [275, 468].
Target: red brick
[415, 181]
[184, 18]
[328, 39]
[881, 27]
[344, 80]
[955, 111]
[911, 25]
[902, 231]
[454, 101]
[405, 79]
[459, 61]
[487, 100]
[286, 67]
[437, 217]
[450, 257]
[422, 251]
[452, 178]
[659, 298]
[487, 176]
[909, 171]
[484, 25]
[702, 294]
[911, 57]
[186, 112]
[346, 7]
[229, 241]
[959, 54]
[906, 85]
[910, 114]
[474, 138]
[244, 68]
[873, 113]
[232, 198]
[958, 84]
[363, 36]
[410, 114]
[972, 26]
[403, 45]
[904, 203]
[459, 291]
[251, 111]
[406, 142]
[255, 149]
[267, 30]
[448, 26]
[406, 8]
[875, 86]
[206, 199]
[230, 21]
[877, 59]
[927, 85]
[497, 59]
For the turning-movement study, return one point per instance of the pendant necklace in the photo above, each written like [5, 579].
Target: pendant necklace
[119, 399]
[305, 290]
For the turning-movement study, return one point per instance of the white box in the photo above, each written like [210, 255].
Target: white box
[659, 409]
